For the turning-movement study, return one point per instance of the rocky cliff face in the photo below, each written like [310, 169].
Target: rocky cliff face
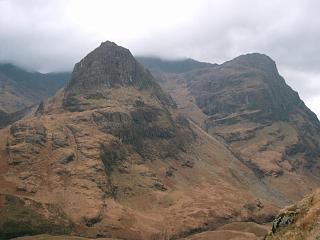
[265, 100]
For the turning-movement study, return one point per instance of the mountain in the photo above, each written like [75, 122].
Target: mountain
[248, 105]
[20, 89]
[171, 66]
[113, 155]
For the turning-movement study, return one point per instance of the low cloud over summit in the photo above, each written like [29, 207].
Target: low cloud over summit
[53, 35]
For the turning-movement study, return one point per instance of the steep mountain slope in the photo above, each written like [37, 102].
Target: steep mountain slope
[111, 156]
[299, 221]
[20, 89]
[248, 105]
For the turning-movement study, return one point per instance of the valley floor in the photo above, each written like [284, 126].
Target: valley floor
[231, 231]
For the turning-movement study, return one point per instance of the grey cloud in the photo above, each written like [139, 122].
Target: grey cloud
[34, 35]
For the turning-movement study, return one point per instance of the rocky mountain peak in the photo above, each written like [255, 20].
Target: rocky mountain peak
[109, 66]
[109, 69]
[257, 61]
[261, 87]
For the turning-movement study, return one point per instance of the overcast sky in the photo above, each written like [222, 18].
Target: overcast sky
[52, 35]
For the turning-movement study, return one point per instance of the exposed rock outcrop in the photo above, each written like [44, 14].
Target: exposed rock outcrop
[299, 221]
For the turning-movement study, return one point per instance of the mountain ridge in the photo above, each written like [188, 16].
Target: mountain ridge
[172, 66]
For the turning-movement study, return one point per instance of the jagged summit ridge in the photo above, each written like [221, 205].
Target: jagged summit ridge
[105, 69]
[257, 61]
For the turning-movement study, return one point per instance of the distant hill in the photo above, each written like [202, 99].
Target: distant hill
[172, 66]
[20, 89]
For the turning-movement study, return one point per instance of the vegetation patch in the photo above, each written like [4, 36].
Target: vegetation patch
[112, 154]
[20, 217]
